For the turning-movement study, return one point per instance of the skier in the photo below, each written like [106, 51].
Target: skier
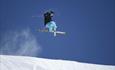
[48, 22]
[50, 25]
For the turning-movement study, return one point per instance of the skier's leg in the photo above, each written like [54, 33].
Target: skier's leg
[50, 29]
[48, 26]
[53, 25]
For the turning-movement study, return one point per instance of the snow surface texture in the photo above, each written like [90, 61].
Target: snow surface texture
[31, 63]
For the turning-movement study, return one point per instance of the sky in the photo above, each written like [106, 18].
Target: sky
[89, 27]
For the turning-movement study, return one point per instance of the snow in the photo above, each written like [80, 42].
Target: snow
[8, 62]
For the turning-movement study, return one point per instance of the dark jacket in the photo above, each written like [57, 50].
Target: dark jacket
[47, 17]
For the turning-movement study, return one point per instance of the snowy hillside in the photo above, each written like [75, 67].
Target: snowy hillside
[32, 63]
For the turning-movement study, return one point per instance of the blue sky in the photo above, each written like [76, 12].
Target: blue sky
[90, 27]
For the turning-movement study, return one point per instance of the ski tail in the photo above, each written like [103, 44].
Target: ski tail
[54, 34]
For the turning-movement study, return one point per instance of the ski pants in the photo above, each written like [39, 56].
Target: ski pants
[51, 26]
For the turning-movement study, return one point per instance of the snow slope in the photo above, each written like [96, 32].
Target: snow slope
[32, 63]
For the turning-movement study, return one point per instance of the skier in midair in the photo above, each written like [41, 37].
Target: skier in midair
[48, 21]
